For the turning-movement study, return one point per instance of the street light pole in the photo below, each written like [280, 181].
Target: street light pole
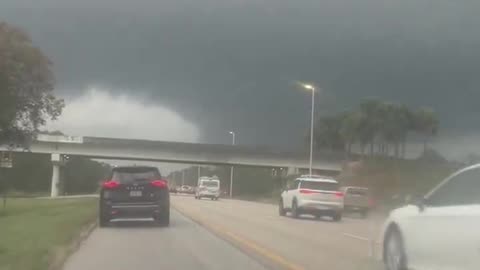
[231, 168]
[310, 87]
[183, 177]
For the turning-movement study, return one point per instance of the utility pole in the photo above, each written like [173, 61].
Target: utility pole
[231, 168]
[183, 177]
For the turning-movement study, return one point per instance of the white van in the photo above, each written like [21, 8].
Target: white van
[208, 187]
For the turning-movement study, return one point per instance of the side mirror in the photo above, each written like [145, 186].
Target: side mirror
[408, 199]
[418, 201]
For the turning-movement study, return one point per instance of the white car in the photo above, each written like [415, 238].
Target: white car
[441, 231]
[186, 189]
[319, 196]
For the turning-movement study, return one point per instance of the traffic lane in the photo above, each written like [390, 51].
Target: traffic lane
[305, 242]
[352, 223]
[144, 246]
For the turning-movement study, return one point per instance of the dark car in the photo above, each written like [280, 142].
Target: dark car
[357, 199]
[135, 192]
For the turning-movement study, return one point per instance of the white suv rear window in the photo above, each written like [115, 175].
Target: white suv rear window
[209, 183]
[328, 186]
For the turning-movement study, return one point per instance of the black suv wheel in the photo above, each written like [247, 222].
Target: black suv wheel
[281, 210]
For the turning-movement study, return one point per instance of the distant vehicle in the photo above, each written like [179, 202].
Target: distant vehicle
[356, 199]
[316, 196]
[186, 189]
[134, 192]
[439, 230]
[311, 176]
[173, 189]
[207, 187]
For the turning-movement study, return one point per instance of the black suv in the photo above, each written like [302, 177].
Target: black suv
[135, 192]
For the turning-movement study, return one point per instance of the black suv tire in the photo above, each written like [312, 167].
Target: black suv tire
[163, 219]
[337, 216]
[103, 221]
[281, 211]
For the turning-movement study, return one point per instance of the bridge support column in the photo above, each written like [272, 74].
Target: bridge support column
[292, 171]
[55, 180]
[55, 184]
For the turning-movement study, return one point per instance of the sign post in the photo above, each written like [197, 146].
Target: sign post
[6, 160]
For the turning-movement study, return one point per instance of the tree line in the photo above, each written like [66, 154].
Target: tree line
[375, 128]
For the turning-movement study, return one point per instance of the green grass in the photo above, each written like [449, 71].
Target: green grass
[32, 231]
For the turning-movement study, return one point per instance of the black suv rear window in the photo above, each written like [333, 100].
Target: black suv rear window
[319, 185]
[135, 174]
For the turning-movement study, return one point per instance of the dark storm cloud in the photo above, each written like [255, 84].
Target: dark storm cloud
[233, 64]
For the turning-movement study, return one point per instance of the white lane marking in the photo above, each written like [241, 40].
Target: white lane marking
[372, 244]
[356, 237]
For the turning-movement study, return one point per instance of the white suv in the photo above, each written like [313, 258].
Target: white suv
[319, 196]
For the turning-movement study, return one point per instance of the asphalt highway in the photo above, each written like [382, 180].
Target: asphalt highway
[141, 245]
[231, 234]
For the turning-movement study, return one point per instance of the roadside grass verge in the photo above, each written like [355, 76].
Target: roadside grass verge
[33, 231]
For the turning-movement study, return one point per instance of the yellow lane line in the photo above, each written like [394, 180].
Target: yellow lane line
[243, 242]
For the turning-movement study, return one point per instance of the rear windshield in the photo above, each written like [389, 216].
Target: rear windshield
[357, 191]
[319, 185]
[209, 183]
[130, 175]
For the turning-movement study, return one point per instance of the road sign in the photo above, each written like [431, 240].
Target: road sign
[6, 160]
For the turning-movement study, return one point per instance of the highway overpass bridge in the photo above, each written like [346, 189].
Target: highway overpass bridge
[175, 152]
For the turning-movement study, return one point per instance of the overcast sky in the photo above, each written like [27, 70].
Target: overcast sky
[191, 70]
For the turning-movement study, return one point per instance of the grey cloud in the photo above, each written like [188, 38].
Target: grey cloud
[233, 64]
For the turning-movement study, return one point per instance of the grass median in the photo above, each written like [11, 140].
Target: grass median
[34, 231]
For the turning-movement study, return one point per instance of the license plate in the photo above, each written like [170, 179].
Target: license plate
[321, 207]
[136, 193]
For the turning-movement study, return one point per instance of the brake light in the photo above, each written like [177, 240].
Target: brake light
[159, 183]
[371, 202]
[339, 194]
[306, 191]
[110, 184]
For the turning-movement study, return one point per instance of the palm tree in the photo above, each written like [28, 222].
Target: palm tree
[425, 123]
[327, 133]
[373, 110]
[354, 129]
[396, 126]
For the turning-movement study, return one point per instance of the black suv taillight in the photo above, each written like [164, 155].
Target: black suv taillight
[159, 183]
[110, 184]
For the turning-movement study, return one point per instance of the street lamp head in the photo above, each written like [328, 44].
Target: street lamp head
[308, 86]
[231, 132]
